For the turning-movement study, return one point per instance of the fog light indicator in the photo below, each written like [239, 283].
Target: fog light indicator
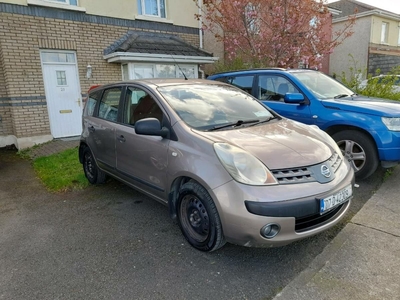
[270, 230]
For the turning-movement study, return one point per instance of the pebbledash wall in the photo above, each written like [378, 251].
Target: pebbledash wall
[25, 31]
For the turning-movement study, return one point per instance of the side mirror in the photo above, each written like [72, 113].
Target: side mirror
[150, 126]
[295, 98]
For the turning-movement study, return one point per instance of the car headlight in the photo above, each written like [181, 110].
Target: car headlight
[243, 166]
[392, 123]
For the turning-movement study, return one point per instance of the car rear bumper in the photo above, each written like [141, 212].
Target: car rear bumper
[242, 223]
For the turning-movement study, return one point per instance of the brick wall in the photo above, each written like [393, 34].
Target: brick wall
[24, 111]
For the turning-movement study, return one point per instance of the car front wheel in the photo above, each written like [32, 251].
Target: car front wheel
[92, 172]
[359, 150]
[198, 218]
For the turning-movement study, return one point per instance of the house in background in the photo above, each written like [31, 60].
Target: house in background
[375, 43]
[52, 51]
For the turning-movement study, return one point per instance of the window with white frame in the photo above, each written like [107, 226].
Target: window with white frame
[385, 33]
[154, 8]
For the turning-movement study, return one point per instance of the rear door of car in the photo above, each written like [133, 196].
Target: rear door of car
[101, 128]
[142, 159]
[271, 88]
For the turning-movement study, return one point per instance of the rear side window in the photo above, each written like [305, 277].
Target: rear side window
[109, 104]
[91, 103]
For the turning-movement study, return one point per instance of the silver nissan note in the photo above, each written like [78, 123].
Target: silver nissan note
[228, 168]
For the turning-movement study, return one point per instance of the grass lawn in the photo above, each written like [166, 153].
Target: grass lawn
[62, 171]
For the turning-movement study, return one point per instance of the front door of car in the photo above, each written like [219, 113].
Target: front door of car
[271, 89]
[142, 159]
[102, 126]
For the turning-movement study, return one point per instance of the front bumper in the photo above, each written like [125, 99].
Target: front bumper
[294, 208]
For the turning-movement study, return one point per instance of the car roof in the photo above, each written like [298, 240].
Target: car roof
[261, 70]
[156, 82]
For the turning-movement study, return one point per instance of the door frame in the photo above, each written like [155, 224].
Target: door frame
[42, 64]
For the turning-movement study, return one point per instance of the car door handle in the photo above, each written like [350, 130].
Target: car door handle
[91, 129]
[121, 138]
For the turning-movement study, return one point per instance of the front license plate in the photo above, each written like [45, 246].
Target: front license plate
[330, 202]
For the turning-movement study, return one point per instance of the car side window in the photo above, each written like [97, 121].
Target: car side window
[109, 104]
[91, 103]
[243, 82]
[140, 105]
[274, 88]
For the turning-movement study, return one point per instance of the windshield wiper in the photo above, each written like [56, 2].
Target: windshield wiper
[263, 121]
[233, 124]
[341, 96]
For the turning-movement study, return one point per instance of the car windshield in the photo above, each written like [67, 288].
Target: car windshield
[323, 86]
[209, 107]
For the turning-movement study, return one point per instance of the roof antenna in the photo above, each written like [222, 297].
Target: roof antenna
[184, 76]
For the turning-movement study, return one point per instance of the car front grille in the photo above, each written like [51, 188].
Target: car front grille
[299, 175]
[305, 174]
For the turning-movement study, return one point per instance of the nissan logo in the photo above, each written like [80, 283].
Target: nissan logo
[325, 171]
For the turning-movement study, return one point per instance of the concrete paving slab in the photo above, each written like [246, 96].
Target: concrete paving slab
[363, 260]
[382, 211]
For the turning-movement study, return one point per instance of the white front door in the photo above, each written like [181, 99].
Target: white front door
[63, 94]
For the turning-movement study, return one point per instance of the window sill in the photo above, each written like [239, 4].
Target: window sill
[56, 5]
[153, 19]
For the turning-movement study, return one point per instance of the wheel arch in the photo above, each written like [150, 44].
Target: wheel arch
[337, 128]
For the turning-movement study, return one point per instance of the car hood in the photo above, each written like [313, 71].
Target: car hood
[365, 105]
[279, 144]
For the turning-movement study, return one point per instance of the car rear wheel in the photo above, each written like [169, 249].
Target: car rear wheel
[90, 168]
[198, 218]
[359, 150]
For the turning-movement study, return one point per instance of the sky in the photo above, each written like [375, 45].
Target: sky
[390, 5]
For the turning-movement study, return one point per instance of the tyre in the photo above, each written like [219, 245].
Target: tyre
[360, 151]
[90, 168]
[198, 218]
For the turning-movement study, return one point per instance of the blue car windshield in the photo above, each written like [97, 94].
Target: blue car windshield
[322, 86]
[210, 106]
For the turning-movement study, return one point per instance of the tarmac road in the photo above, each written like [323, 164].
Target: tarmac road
[111, 242]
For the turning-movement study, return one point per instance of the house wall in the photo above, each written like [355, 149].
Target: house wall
[355, 46]
[376, 30]
[25, 30]
[178, 12]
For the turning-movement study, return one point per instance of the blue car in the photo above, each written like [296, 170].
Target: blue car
[367, 130]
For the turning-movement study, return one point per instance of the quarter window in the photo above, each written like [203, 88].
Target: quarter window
[91, 103]
[155, 8]
[109, 104]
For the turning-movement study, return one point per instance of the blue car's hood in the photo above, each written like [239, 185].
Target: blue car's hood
[365, 105]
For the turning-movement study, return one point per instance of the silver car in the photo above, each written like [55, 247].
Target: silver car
[228, 168]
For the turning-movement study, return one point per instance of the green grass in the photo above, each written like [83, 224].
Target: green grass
[61, 172]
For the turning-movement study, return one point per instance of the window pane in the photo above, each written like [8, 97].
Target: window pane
[151, 7]
[165, 71]
[189, 71]
[274, 88]
[61, 78]
[125, 72]
[142, 71]
[58, 57]
[91, 103]
[73, 2]
[243, 82]
[109, 104]
[162, 8]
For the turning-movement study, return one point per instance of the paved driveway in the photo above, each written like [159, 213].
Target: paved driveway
[111, 242]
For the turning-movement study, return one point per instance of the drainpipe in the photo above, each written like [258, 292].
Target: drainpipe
[200, 4]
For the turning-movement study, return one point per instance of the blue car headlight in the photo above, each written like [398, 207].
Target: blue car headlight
[392, 124]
